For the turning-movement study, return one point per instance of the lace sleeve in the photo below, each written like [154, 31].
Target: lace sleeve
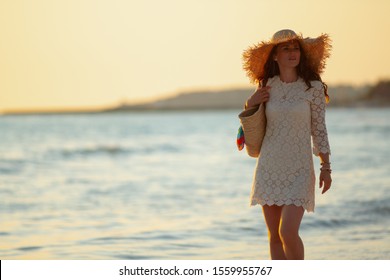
[318, 126]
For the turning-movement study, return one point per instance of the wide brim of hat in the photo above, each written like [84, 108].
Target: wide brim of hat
[317, 51]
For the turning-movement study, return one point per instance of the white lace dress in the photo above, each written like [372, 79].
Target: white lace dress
[284, 172]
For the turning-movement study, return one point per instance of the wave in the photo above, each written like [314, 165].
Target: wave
[370, 208]
[329, 223]
[100, 149]
[352, 213]
[11, 166]
[112, 150]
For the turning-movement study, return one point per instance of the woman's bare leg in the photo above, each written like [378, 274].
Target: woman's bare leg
[272, 215]
[291, 217]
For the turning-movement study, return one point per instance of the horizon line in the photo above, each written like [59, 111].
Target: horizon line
[122, 102]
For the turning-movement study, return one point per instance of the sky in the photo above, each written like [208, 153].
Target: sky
[63, 54]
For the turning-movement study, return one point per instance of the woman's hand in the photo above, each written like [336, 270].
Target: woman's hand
[325, 180]
[259, 96]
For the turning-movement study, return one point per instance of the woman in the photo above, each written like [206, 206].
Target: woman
[288, 70]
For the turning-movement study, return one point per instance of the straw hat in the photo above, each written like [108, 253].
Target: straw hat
[317, 50]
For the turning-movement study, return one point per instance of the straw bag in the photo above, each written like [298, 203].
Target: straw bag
[251, 133]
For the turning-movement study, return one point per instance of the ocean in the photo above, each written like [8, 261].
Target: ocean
[172, 185]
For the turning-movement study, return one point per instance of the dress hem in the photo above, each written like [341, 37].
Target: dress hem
[306, 207]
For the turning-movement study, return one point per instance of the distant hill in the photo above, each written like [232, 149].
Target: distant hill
[340, 96]
[377, 95]
[197, 100]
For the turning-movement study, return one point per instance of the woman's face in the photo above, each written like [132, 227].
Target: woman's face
[288, 54]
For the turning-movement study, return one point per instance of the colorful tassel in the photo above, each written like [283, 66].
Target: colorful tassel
[240, 139]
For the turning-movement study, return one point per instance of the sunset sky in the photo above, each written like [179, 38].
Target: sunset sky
[96, 53]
